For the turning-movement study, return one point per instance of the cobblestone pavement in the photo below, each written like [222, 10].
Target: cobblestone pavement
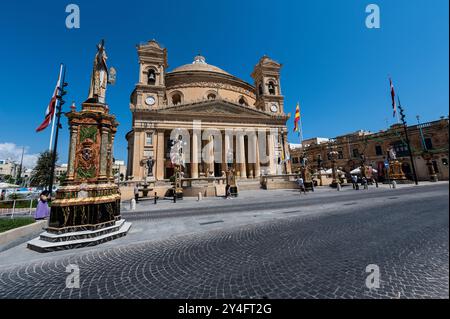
[323, 256]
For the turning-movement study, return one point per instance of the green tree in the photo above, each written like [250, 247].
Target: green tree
[42, 170]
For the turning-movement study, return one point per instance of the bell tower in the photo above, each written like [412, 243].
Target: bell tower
[151, 88]
[266, 75]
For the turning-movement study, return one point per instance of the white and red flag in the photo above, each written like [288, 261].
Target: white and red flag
[50, 112]
[394, 106]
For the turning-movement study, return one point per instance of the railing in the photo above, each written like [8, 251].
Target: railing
[18, 207]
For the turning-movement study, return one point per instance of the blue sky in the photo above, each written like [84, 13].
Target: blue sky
[332, 64]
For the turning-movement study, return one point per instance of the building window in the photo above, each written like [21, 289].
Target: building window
[243, 101]
[271, 87]
[176, 99]
[148, 138]
[260, 90]
[355, 153]
[211, 96]
[401, 149]
[340, 154]
[295, 160]
[378, 150]
[428, 143]
[151, 77]
[445, 161]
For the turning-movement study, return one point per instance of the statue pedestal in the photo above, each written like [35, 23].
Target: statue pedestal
[396, 173]
[86, 210]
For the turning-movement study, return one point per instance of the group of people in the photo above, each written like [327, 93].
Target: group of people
[364, 182]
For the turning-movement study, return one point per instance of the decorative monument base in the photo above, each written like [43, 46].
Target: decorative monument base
[396, 174]
[82, 215]
[86, 210]
[48, 241]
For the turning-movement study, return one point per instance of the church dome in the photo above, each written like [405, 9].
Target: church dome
[199, 64]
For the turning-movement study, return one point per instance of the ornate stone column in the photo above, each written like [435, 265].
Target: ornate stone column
[255, 147]
[286, 154]
[104, 153]
[242, 165]
[271, 146]
[211, 155]
[194, 157]
[160, 156]
[72, 153]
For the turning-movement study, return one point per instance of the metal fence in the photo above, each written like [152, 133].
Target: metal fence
[16, 207]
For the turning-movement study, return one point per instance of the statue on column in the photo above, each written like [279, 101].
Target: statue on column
[100, 77]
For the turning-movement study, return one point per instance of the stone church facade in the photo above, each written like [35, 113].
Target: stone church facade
[219, 117]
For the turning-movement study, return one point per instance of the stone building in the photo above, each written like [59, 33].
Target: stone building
[201, 102]
[429, 143]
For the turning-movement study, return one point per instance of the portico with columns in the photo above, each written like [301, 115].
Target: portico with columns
[221, 121]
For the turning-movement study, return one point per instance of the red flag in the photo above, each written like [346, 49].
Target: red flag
[394, 106]
[50, 111]
[297, 118]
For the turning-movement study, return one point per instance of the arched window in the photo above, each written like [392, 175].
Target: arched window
[243, 101]
[176, 99]
[151, 77]
[271, 87]
[260, 90]
[211, 96]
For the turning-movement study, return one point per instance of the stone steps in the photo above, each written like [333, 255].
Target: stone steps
[48, 242]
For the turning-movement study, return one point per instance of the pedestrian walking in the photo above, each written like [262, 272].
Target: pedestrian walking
[42, 209]
[136, 193]
[365, 183]
[354, 182]
[301, 184]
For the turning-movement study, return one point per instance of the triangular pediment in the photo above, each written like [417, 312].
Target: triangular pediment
[217, 108]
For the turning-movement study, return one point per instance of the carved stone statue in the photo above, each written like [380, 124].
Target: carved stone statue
[149, 164]
[100, 77]
[392, 154]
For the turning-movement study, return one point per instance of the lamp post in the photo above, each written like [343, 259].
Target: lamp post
[402, 116]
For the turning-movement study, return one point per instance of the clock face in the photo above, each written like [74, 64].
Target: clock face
[274, 107]
[150, 100]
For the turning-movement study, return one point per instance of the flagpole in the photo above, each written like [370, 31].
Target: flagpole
[300, 133]
[56, 107]
[58, 119]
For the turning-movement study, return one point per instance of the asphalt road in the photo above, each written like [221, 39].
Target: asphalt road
[315, 256]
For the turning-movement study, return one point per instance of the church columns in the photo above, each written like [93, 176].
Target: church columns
[286, 148]
[194, 155]
[160, 155]
[271, 146]
[241, 161]
[225, 147]
[210, 155]
[255, 149]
